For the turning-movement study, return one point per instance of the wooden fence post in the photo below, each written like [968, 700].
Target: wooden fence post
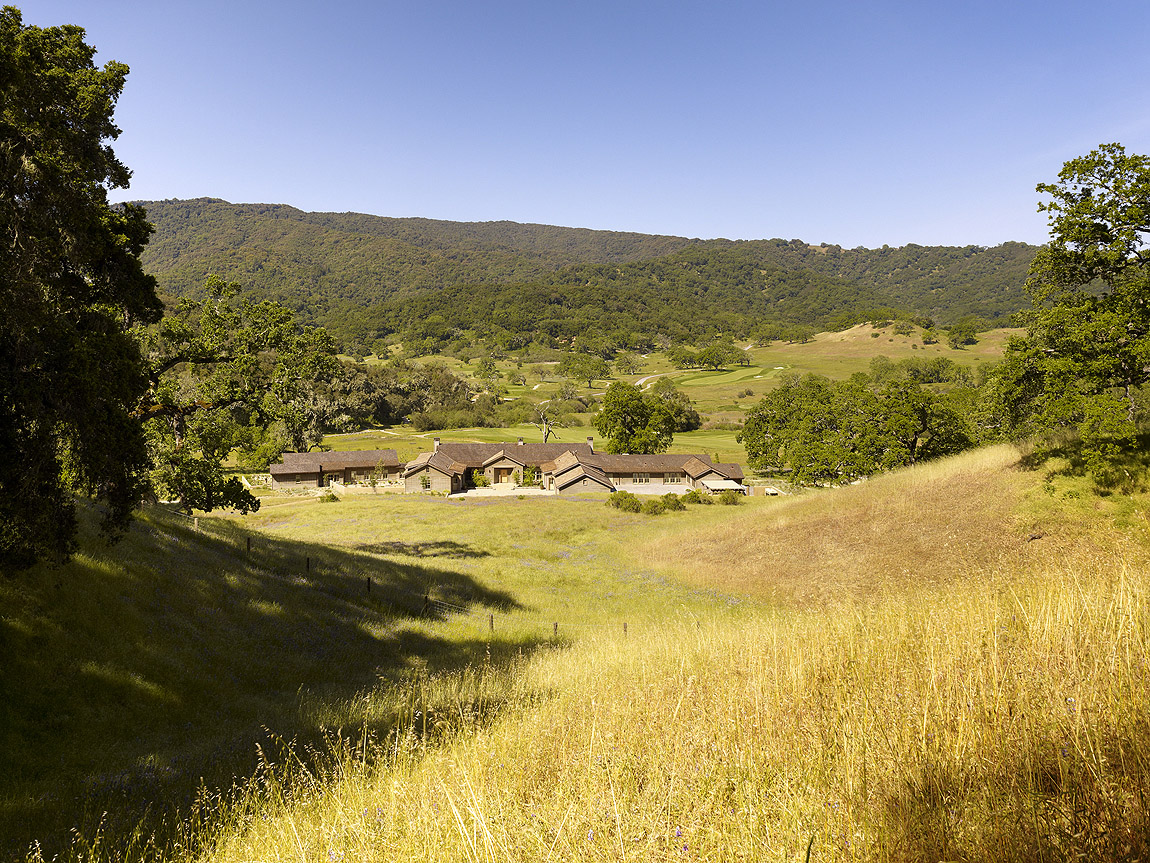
[555, 630]
[249, 545]
[491, 621]
[624, 627]
[307, 564]
[368, 580]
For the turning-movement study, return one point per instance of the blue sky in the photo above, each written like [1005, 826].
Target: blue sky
[857, 123]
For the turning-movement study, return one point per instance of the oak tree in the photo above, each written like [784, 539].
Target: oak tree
[1086, 352]
[72, 288]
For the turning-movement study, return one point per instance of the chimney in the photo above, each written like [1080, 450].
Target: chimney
[521, 441]
[591, 443]
[435, 440]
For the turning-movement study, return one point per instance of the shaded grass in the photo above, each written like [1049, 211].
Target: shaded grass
[142, 677]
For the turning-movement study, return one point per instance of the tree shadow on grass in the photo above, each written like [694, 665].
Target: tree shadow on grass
[441, 548]
[1071, 808]
[136, 673]
[1124, 469]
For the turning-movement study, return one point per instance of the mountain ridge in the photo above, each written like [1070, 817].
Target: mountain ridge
[331, 266]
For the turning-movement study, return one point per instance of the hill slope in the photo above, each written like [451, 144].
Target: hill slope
[331, 266]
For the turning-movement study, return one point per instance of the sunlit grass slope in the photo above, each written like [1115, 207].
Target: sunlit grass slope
[960, 673]
[139, 672]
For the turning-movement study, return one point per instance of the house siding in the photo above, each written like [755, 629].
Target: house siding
[440, 482]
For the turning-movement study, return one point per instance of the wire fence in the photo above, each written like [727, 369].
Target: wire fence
[428, 604]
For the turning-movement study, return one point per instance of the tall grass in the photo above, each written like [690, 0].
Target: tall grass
[1006, 722]
[952, 664]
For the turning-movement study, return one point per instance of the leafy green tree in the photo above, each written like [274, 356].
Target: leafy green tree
[713, 357]
[486, 372]
[1086, 352]
[584, 367]
[961, 333]
[921, 424]
[634, 422]
[626, 363]
[822, 431]
[71, 287]
[225, 375]
[682, 357]
[678, 403]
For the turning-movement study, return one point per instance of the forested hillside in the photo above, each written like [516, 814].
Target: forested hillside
[368, 277]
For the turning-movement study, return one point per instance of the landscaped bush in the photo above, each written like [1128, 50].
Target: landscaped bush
[624, 500]
[730, 497]
[696, 496]
[672, 503]
[653, 506]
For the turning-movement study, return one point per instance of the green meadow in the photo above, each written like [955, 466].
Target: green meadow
[722, 396]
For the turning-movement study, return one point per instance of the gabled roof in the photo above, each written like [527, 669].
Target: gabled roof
[696, 467]
[646, 463]
[581, 472]
[477, 454]
[730, 470]
[314, 462]
[439, 461]
[504, 454]
[566, 461]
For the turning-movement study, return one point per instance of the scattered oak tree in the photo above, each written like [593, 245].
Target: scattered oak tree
[227, 375]
[584, 367]
[827, 432]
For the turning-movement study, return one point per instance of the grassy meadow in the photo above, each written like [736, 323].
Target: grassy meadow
[947, 663]
[723, 396]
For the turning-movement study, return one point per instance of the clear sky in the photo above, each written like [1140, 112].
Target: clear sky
[857, 122]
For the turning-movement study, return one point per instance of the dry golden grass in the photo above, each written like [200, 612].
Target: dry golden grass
[928, 525]
[1004, 722]
[927, 685]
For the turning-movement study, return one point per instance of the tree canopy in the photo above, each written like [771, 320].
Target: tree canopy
[633, 421]
[820, 431]
[72, 287]
[1086, 352]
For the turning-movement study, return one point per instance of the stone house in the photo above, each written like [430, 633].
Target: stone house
[452, 467]
[320, 469]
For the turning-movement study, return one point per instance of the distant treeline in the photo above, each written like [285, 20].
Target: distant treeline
[434, 282]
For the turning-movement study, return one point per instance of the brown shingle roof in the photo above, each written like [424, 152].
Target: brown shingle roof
[657, 463]
[476, 454]
[438, 460]
[313, 462]
[583, 471]
[560, 463]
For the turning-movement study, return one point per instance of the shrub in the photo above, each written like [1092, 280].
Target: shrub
[730, 497]
[328, 497]
[672, 503]
[624, 500]
[696, 496]
[654, 506]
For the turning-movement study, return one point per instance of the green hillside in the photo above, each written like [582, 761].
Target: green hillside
[538, 281]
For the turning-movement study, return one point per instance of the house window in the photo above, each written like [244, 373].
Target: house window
[297, 479]
[673, 479]
[641, 478]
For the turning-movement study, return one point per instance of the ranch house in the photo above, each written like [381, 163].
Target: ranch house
[320, 469]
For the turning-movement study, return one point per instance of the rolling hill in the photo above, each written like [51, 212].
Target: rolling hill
[488, 277]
